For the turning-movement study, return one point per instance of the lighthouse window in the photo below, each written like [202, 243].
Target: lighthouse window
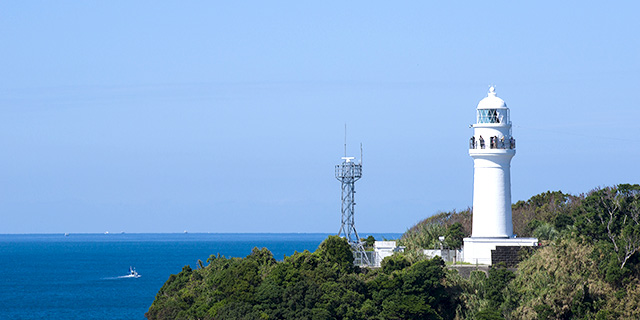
[488, 116]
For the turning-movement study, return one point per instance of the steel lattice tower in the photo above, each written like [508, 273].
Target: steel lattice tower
[348, 173]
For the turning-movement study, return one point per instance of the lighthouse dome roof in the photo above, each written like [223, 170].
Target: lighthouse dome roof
[492, 101]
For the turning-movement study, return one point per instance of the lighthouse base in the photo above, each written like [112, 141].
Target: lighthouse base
[478, 250]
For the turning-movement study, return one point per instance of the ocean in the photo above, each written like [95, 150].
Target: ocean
[82, 276]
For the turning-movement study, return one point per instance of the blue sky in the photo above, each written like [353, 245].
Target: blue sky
[146, 116]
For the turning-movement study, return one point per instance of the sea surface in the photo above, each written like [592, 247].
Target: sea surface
[82, 276]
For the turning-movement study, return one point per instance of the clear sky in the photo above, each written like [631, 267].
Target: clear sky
[147, 116]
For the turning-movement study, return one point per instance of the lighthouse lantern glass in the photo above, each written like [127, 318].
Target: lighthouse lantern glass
[493, 115]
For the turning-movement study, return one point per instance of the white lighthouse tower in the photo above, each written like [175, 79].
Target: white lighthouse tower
[492, 146]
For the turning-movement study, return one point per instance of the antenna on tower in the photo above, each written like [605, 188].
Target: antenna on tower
[361, 157]
[345, 140]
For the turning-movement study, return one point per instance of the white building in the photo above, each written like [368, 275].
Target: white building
[492, 146]
[383, 249]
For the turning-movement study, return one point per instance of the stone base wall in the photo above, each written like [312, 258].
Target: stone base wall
[509, 257]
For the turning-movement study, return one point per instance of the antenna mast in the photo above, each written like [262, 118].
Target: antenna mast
[345, 140]
[348, 172]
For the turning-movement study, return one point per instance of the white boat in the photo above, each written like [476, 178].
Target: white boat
[133, 273]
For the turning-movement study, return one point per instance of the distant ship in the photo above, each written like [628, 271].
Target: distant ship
[133, 273]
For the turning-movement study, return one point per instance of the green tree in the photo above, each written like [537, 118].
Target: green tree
[394, 262]
[336, 250]
[415, 292]
[499, 278]
[545, 231]
[455, 234]
[613, 214]
[544, 207]
[370, 241]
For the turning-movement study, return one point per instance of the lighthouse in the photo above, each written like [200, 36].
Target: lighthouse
[492, 146]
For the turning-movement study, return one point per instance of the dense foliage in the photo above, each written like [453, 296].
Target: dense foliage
[589, 268]
[319, 285]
